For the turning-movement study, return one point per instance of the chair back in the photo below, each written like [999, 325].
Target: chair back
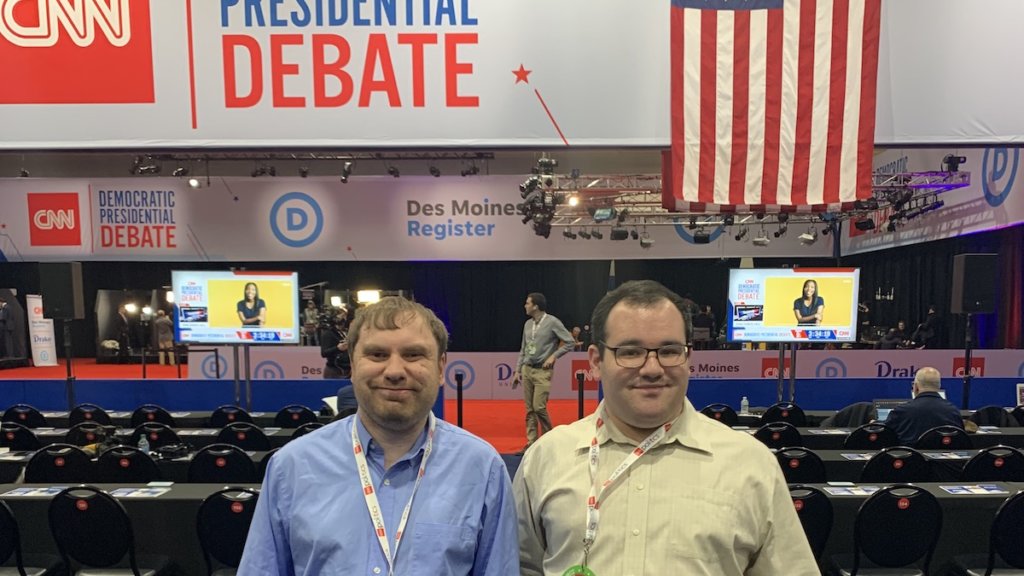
[1008, 532]
[222, 464]
[126, 465]
[156, 434]
[10, 537]
[245, 435]
[306, 429]
[58, 463]
[995, 464]
[800, 465]
[228, 414]
[223, 524]
[25, 415]
[151, 413]
[721, 412]
[898, 464]
[993, 416]
[85, 433]
[1018, 415]
[785, 412]
[897, 526]
[91, 528]
[779, 435]
[88, 413]
[815, 512]
[873, 436]
[856, 414]
[294, 416]
[261, 468]
[944, 438]
[18, 438]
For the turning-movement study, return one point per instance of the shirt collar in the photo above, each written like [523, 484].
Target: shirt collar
[685, 431]
[372, 448]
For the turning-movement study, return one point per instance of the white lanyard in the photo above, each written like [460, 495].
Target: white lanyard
[598, 492]
[370, 494]
[533, 334]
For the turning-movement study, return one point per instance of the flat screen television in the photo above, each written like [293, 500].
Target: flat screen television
[793, 305]
[236, 307]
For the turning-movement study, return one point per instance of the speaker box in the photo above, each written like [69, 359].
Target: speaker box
[61, 285]
[974, 283]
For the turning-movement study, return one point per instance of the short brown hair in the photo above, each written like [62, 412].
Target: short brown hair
[386, 314]
[639, 293]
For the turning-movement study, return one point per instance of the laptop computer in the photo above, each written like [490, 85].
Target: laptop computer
[885, 405]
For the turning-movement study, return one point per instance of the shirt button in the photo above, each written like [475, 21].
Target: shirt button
[387, 482]
[636, 532]
[376, 570]
[639, 486]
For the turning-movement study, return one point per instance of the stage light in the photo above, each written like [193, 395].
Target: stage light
[131, 308]
[701, 237]
[596, 233]
[471, 171]
[435, 171]
[618, 233]
[169, 297]
[367, 296]
[634, 234]
[739, 235]
[693, 223]
[783, 228]
[891, 226]
[346, 171]
[868, 204]
[546, 166]
[646, 241]
[194, 182]
[303, 171]
[568, 233]
[263, 170]
[729, 220]
[809, 237]
[584, 234]
[952, 162]
[574, 200]
[394, 172]
[147, 310]
[145, 165]
[783, 217]
[180, 171]
[865, 225]
[23, 173]
[761, 239]
[336, 301]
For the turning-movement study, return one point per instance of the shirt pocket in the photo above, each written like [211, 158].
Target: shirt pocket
[705, 526]
[444, 547]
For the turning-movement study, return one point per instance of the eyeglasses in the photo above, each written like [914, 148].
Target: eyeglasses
[636, 356]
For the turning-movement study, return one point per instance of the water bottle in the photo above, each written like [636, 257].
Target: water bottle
[744, 406]
[144, 444]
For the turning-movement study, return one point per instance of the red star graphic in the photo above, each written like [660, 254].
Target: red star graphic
[522, 75]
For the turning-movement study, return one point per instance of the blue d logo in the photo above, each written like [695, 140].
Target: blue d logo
[303, 220]
[998, 172]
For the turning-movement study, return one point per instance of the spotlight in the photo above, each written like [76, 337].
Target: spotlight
[193, 182]
[865, 224]
[393, 171]
[346, 171]
[568, 233]
[634, 234]
[809, 237]
[264, 170]
[693, 223]
[596, 233]
[618, 233]
[303, 171]
[23, 173]
[701, 237]
[783, 228]
[761, 239]
[741, 234]
[131, 308]
[435, 172]
[574, 200]
[180, 171]
[145, 165]
[646, 241]
[952, 163]
[471, 171]
[783, 217]
[529, 185]
[729, 220]
[574, 173]
[891, 226]
[546, 166]
[826, 230]
[869, 204]
[542, 229]
[584, 234]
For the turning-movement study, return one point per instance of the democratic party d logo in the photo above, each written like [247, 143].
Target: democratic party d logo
[53, 219]
[75, 52]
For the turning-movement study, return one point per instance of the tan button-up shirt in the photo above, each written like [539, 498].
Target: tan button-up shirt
[707, 500]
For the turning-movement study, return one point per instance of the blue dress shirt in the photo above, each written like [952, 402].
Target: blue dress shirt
[311, 517]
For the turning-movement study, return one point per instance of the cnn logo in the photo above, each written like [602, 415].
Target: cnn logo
[54, 219]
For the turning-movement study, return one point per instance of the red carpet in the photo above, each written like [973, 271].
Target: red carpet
[500, 422]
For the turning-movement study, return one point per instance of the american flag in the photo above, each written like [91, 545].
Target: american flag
[773, 102]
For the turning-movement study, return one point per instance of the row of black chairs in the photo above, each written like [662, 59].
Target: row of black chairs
[791, 413]
[899, 526]
[216, 464]
[92, 529]
[903, 464]
[291, 416]
[245, 435]
[874, 436]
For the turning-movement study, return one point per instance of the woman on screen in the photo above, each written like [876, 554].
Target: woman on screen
[252, 310]
[809, 308]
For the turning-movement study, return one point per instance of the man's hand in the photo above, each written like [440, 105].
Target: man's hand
[549, 363]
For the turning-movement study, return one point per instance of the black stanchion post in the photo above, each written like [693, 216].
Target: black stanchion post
[459, 377]
[580, 377]
[968, 343]
[782, 370]
[69, 385]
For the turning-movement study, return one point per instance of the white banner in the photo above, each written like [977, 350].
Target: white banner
[287, 219]
[40, 332]
[300, 73]
[994, 199]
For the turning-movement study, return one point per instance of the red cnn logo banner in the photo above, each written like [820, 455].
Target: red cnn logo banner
[589, 382]
[977, 367]
[76, 52]
[53, 219]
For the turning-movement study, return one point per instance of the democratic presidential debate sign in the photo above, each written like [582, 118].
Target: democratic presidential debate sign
[237, 307]
[385, 73]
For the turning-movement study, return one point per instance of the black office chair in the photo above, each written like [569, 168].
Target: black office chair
[25, 415]
[91, 528]
[222, 464]
[895, 465]
[995, 464]
[18, 438]
[10, 545]
[59, 463]
[1018, 415]
[306, 429]
[993, 416]
[245, 435]
[1004, 549]
[721, 412]
[800, 465]
[88, 413]
[944, 438]
[85, 433]
[151, 413]
[874, 436]
[785, 412]
[126, 465]
[815, 512]
[895, 527]
[156, 434]
[779, 435]
[261, 469]
[856, 414]
[223, 525]
[294, 416]
[228, 414]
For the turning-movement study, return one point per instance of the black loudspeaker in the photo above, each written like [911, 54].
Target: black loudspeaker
[974, 283]
[61, 285]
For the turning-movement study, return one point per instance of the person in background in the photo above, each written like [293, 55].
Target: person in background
[810, 307]
[164, 327]
[252, 310]
[334, 347]
[6, 330]
[391, 490]
[310, 319]
[678, 493]
[926, 411]
[577, 344]
[890, 341]
[124, 335]
[901, 331]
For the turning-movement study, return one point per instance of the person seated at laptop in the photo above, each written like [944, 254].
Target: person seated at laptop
[926, 411]
[890, 341]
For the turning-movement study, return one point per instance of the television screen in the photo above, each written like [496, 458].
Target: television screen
[240, 307]
[793, 305]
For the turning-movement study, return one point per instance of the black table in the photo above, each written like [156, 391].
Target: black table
[195, 437]
[947, 465]
[182, 419]
[833, 438]
[171, 469]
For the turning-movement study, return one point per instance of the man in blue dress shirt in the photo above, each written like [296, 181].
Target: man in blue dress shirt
[389, 490]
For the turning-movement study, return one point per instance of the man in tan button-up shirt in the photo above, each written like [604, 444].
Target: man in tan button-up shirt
[687, 495]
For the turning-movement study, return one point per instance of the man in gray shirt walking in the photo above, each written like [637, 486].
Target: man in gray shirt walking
[544, 339]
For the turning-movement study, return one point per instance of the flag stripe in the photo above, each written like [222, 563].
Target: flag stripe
[708, 64]
[804, 102]
[675, 180]
[837, 98]
[787, 124]
[820, 102]
[773, 107]
[692, 117]
[869, 77]
[740, 109]
[851, 115]
[756, 106]
[724, 112]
